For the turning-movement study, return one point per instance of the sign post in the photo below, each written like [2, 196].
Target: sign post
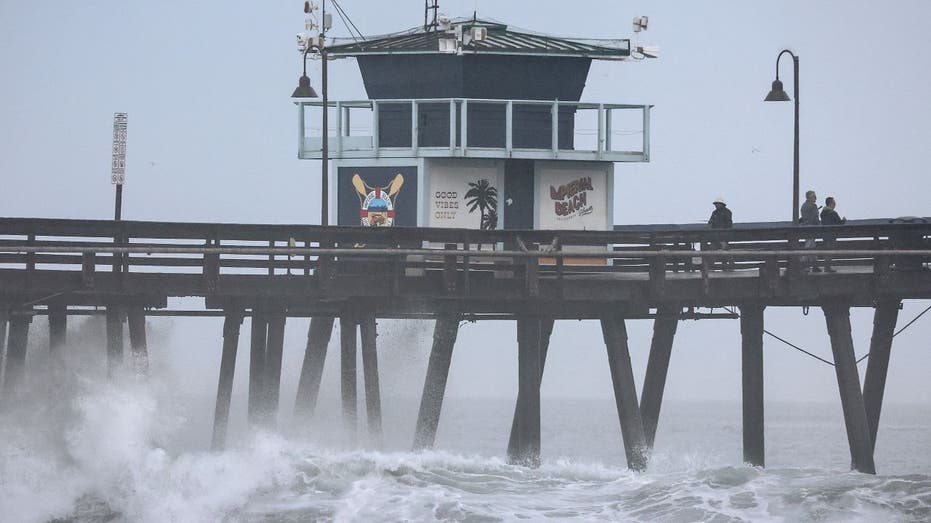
[118, 165]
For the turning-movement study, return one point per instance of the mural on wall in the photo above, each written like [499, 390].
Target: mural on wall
[377, 207]
[463, 195]
[377, 196]
[575, 198]
[571, 199]
[483, 196]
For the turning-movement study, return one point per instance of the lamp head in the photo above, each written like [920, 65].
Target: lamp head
[777, 94]
[304, 90]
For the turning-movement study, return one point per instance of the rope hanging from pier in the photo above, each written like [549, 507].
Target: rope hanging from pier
[860, 360]
[907, 325]
[796, 347]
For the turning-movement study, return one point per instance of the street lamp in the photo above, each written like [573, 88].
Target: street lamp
[304, 90]
[778, 94]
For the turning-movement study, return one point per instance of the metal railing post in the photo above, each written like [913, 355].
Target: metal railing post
[555, 118]
[375, 145]
[646, 133]
[509, 126]
[415, 127]
[464, 125]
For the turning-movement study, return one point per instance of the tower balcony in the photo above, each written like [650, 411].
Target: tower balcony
[476, 128]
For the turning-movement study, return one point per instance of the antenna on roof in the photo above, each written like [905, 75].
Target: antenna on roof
[428, 23]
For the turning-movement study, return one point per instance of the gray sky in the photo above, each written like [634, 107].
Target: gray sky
[212, 137]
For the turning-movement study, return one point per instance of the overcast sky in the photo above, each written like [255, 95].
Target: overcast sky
[212, 137]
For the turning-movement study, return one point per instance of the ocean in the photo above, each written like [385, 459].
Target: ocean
[76, 447]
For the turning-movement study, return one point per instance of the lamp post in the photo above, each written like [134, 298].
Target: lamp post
[304, 90]
[778, 94]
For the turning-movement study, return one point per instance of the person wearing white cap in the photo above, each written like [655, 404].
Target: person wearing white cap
[721, 218]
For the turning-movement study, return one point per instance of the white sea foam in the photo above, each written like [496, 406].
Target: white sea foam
[79, 447]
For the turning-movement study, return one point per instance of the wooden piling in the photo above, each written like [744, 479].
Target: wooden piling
[368, 333]
[137, 340]
[347, 382]
[874, 383]
[57, 327]
[257, 365]
[225, 383]
[114, 338]
[751, 331]
[528, 378]
[15, 369]
[614, 332]
[273, 355]
[434, 387]
[664, 332]
[546, 331]
[837, 317]
[308, 388]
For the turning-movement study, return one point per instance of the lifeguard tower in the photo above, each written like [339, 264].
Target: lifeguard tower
[471, 123]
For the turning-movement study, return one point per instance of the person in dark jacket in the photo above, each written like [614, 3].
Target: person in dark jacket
[809, 212]
[721, 218]
[830, 217]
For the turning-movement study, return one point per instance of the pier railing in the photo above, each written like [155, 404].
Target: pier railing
[211, 250]
[477, 128]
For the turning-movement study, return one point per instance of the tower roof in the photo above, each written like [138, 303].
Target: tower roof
[499, 40]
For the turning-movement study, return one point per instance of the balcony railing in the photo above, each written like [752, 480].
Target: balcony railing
[477, 128]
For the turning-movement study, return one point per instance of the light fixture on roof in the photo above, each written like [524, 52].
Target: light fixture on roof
[443, 22]
[640, 23]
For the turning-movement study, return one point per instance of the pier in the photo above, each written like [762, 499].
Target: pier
[128, 270]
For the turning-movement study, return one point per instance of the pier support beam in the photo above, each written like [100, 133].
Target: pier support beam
[114, 338]
[434, 387]
[137, 340]
[225, 384]
[308, 388]
[347, 372]
[664, 332]
[273, 355]
[837, 317]
[368, 334]
[257, 365]
[614, 332]
[529, 331]
[874, 383]
[546, 331]
[57, 327]
[15, 369]
[751, 331]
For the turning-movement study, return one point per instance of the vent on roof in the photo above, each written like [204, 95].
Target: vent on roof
[479, 34]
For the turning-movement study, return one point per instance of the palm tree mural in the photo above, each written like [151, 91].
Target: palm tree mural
[484, 197]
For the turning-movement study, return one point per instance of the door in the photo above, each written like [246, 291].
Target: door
[518, 194]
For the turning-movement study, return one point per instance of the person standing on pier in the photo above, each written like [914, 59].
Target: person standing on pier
[809, 212]
[830, 217]
[721, 218]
